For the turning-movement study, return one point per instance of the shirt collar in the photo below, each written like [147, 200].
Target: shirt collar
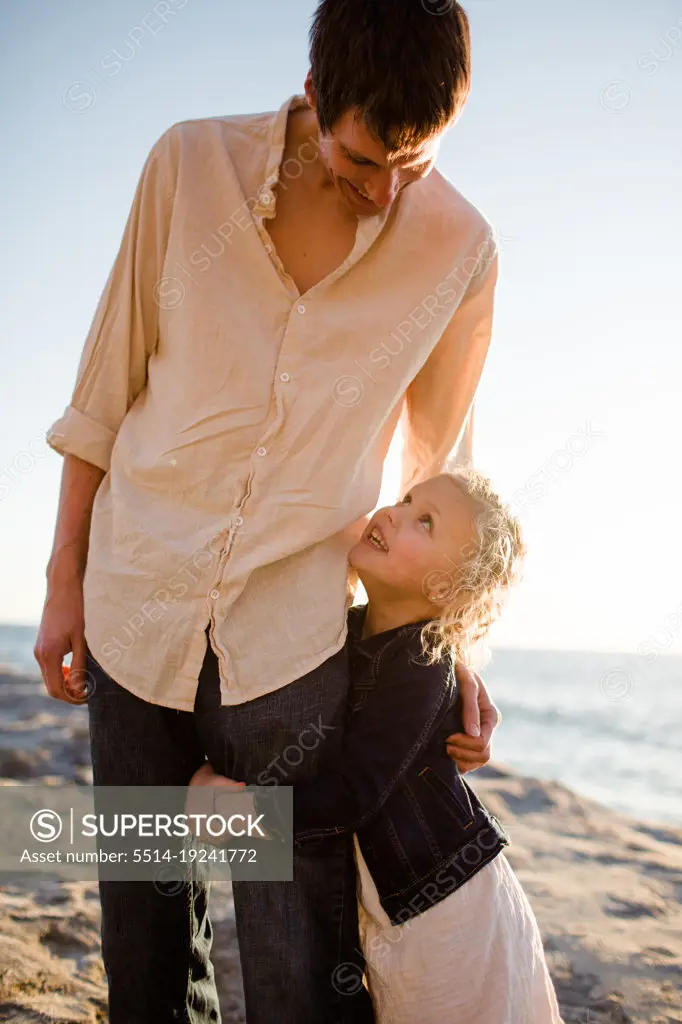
[265, 205]
[371, 644]
[369, 227]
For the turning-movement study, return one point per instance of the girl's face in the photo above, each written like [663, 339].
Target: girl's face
[410, 552]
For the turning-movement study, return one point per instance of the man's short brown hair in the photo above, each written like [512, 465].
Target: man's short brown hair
[406, 64]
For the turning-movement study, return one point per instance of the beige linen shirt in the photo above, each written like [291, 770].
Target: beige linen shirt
[243, 426]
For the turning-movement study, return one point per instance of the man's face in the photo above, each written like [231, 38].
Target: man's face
[366, 177]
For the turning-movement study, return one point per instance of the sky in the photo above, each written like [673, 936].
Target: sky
[570, 145]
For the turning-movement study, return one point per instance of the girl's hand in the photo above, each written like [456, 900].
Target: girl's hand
[202, 799]
[206, 776]
[471, 749]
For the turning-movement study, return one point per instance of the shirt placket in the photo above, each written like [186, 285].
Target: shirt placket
[294, 338]
[265, 208]
[282, 381]
[264, 198]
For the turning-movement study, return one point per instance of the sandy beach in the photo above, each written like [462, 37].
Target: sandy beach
[606, 890]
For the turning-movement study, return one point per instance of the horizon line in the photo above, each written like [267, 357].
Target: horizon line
[493, 649]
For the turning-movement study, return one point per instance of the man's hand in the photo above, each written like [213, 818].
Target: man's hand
[62, 627]
[62, 631]
[471, 749]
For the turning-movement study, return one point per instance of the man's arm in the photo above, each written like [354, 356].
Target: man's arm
[437, 419]
[124, 332]
[480, 717]
[111, 374]
[62, 626]
[437, 415]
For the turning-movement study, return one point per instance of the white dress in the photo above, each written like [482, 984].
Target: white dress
[474, 958]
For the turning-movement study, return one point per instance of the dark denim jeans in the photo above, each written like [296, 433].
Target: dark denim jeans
[298, 940]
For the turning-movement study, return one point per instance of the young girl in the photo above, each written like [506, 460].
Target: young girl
[446, 929]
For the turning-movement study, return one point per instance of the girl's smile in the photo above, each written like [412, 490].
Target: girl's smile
[374, 536]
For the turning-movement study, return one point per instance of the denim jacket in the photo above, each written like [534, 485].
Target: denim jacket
[422, 830]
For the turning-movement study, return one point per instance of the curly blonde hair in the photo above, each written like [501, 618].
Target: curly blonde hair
[474, 590]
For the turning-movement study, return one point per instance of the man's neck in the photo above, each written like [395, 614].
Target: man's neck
[302, 138]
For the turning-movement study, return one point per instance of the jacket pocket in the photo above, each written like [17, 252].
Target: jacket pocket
[455, 797]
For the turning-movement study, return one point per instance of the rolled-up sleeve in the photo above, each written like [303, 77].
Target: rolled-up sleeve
[124, 332]
[437, 415]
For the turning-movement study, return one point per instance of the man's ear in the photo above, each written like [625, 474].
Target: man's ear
[310, 91]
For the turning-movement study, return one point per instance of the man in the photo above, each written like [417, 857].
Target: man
[288, 285]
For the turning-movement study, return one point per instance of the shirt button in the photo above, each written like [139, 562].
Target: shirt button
[261, 451]
[285, 377]
[301, 308]
[239, 521]
[215, 594]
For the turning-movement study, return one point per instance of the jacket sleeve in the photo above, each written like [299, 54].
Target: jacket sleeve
[437, 414]
[381, 741]
[124, 331]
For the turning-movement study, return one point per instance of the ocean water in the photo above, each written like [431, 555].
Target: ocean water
[607, 725]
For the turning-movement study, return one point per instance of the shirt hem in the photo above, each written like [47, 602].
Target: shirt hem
[179, 705]
[175, 705]
[302, 669]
